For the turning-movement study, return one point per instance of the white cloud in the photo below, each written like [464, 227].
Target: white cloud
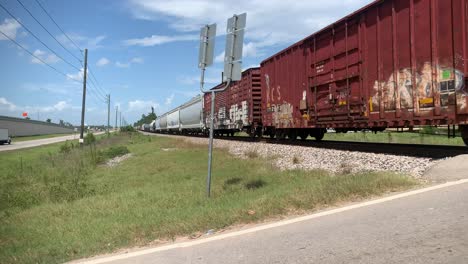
[269, 23]
[249, 50]
[91, 43]
[10, 28]
[60, 106]
[102, 62]
[76, 76]
[158, 40]
[220, 57]
[45, 57]
[140, 105]
[7, 105]
[169, 100]
[122, 65]
[137, 60]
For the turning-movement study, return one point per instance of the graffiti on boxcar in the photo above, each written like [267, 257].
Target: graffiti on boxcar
[270, 91]
[282, 112]
[448, 82]
[267, 81]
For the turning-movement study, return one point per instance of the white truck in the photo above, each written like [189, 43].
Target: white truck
[4, 137]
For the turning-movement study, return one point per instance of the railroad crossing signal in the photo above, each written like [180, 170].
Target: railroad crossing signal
[234, 44]
[232, 67]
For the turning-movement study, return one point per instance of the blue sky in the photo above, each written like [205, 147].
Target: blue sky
[143, 52]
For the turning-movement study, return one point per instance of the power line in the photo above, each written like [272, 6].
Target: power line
[39, 59]
[30, 32]
[65, 34]
[95, 82]
[98, 85]
[96, 96]
[101, 97]
[95, 86]
[29, 12]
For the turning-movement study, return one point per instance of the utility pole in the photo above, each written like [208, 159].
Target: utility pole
[108, 115]
[84, 96]
[120, 123]
[116, 115]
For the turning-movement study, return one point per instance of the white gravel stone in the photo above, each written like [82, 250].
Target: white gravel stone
[337, 161]
[115, 161]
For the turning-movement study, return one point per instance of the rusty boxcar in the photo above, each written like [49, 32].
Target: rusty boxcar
[238, 108]
[393, 63]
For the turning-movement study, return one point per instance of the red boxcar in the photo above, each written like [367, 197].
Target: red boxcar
[394, 63]
[239, 107]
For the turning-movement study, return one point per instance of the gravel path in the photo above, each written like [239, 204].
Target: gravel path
[309, 158]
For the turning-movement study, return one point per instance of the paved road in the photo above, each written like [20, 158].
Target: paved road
[427, 227]
[39, 142]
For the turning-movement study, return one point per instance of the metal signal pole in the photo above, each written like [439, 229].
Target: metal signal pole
[232, 68]
[84, 96]
[108, 115]
[116, 115]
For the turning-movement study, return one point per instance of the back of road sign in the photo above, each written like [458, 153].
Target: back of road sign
[234, 44]
[207, 43]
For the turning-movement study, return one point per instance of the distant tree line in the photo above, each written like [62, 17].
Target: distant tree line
[61, 122]
[146, 119]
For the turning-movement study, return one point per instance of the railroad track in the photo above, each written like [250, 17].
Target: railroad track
[411, 150]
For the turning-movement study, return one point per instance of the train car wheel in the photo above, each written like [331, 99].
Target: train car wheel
[465, 139]
[292, 135]
[279, 135]
[318, 134]
[464, 134]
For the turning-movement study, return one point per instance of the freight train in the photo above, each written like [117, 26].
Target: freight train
[391, 64]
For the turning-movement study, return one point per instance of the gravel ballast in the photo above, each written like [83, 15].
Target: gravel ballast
[308, 158]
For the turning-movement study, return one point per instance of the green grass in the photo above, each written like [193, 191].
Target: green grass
[26, 138]
[396, 137]
[61, 206]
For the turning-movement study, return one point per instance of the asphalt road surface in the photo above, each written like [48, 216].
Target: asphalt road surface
[39, 142]
[429, 226]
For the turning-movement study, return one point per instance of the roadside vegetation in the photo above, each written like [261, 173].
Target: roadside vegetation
[61, 202]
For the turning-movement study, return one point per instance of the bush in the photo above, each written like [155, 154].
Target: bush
[89, 139]
[110, 153]
[113, 152]
[65, 148]
[127, 129]
[428, 130]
